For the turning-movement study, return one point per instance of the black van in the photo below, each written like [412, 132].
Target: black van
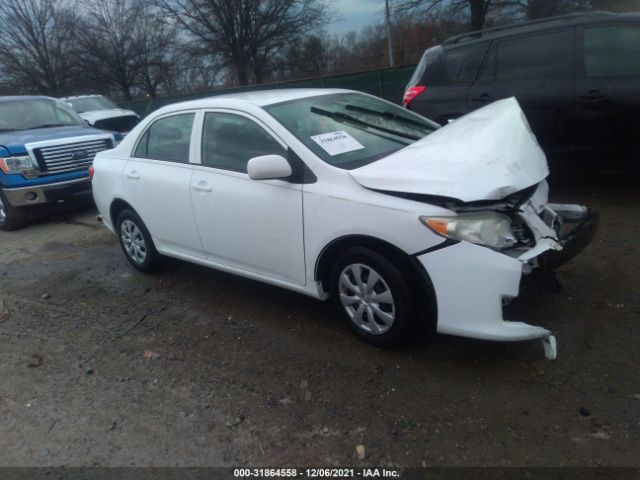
[577, 78]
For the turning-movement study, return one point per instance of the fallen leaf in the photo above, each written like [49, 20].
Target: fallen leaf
[34, 361]
[150, 354]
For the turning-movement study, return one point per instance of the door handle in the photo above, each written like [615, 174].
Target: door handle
[202, 187]
[485, 97]
[593, 95]
[133, 175]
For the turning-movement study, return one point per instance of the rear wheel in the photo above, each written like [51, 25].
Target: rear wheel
[136, 242]
[373, 296]
[10, 218]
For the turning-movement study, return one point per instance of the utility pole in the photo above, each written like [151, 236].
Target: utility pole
[387, 21]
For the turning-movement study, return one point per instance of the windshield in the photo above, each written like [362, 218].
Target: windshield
[350, 130]
[87, 104]
[36, 113]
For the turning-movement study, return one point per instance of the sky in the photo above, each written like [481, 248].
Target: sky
[355, 14]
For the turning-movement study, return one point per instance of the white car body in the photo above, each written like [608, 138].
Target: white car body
[96, 117]
[275, 231]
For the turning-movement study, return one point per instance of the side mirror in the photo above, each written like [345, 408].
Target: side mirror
[268, 167]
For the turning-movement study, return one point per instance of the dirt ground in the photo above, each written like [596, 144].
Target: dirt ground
[101, 365]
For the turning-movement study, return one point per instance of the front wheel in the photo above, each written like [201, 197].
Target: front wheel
[373, 296]
[10, 218]
[136, 242]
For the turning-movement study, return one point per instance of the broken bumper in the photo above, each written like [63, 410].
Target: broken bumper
[573, 242]
[470, 284]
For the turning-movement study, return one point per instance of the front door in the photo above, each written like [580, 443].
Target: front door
[249, 225]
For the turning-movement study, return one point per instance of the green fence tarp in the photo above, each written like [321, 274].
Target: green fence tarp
[388, 83]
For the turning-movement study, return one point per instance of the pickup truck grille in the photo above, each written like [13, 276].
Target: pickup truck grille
[71, 156]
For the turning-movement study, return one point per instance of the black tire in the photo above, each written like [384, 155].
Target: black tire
[402, 307]
[145, 257]
[10, 217]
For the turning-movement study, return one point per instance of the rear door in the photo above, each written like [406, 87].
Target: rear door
[539, 70]
[608, 96]
[157, 179]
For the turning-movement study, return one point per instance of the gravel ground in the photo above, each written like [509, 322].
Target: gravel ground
[101, 365]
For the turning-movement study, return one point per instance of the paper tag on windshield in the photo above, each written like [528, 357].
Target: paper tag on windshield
[335, 143]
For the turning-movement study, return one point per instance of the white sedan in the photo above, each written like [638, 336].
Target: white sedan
[338, 194]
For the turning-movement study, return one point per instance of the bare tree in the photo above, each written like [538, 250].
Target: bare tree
[533, 9]
[245, 34]
[477, 10]
[110, 43]
[157, 52]
[306, 57]
[36, 44]
[193, 73]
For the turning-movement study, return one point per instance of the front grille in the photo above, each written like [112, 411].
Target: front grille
[117, 124]
[70, 157]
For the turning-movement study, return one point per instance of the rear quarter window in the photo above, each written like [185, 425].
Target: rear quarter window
[430, 71]
[462, 63]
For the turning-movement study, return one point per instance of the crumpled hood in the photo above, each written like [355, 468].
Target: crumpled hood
[93, 116]
[485, 155]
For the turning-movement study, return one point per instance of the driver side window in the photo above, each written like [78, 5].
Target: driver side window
[230, 141]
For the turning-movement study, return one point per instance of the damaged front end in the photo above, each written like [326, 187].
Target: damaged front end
[539, 236]
[488, 170]
[546, 235]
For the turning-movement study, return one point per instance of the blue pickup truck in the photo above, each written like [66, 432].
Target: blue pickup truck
[46, 150]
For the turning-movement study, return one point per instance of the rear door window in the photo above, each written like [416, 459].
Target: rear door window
[168, 138]
[547, 55]
[463, 63]
[612, 51]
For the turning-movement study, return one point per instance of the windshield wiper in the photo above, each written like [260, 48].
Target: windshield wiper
[48, 125]
[362, 123]
[388, 114]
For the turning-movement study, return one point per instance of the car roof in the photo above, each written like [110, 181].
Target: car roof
[14, 98]
[81, 96]
[534, 26]
[259, 98]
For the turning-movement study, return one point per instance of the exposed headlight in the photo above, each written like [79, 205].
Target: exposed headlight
[484, 228]
[22, 164]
